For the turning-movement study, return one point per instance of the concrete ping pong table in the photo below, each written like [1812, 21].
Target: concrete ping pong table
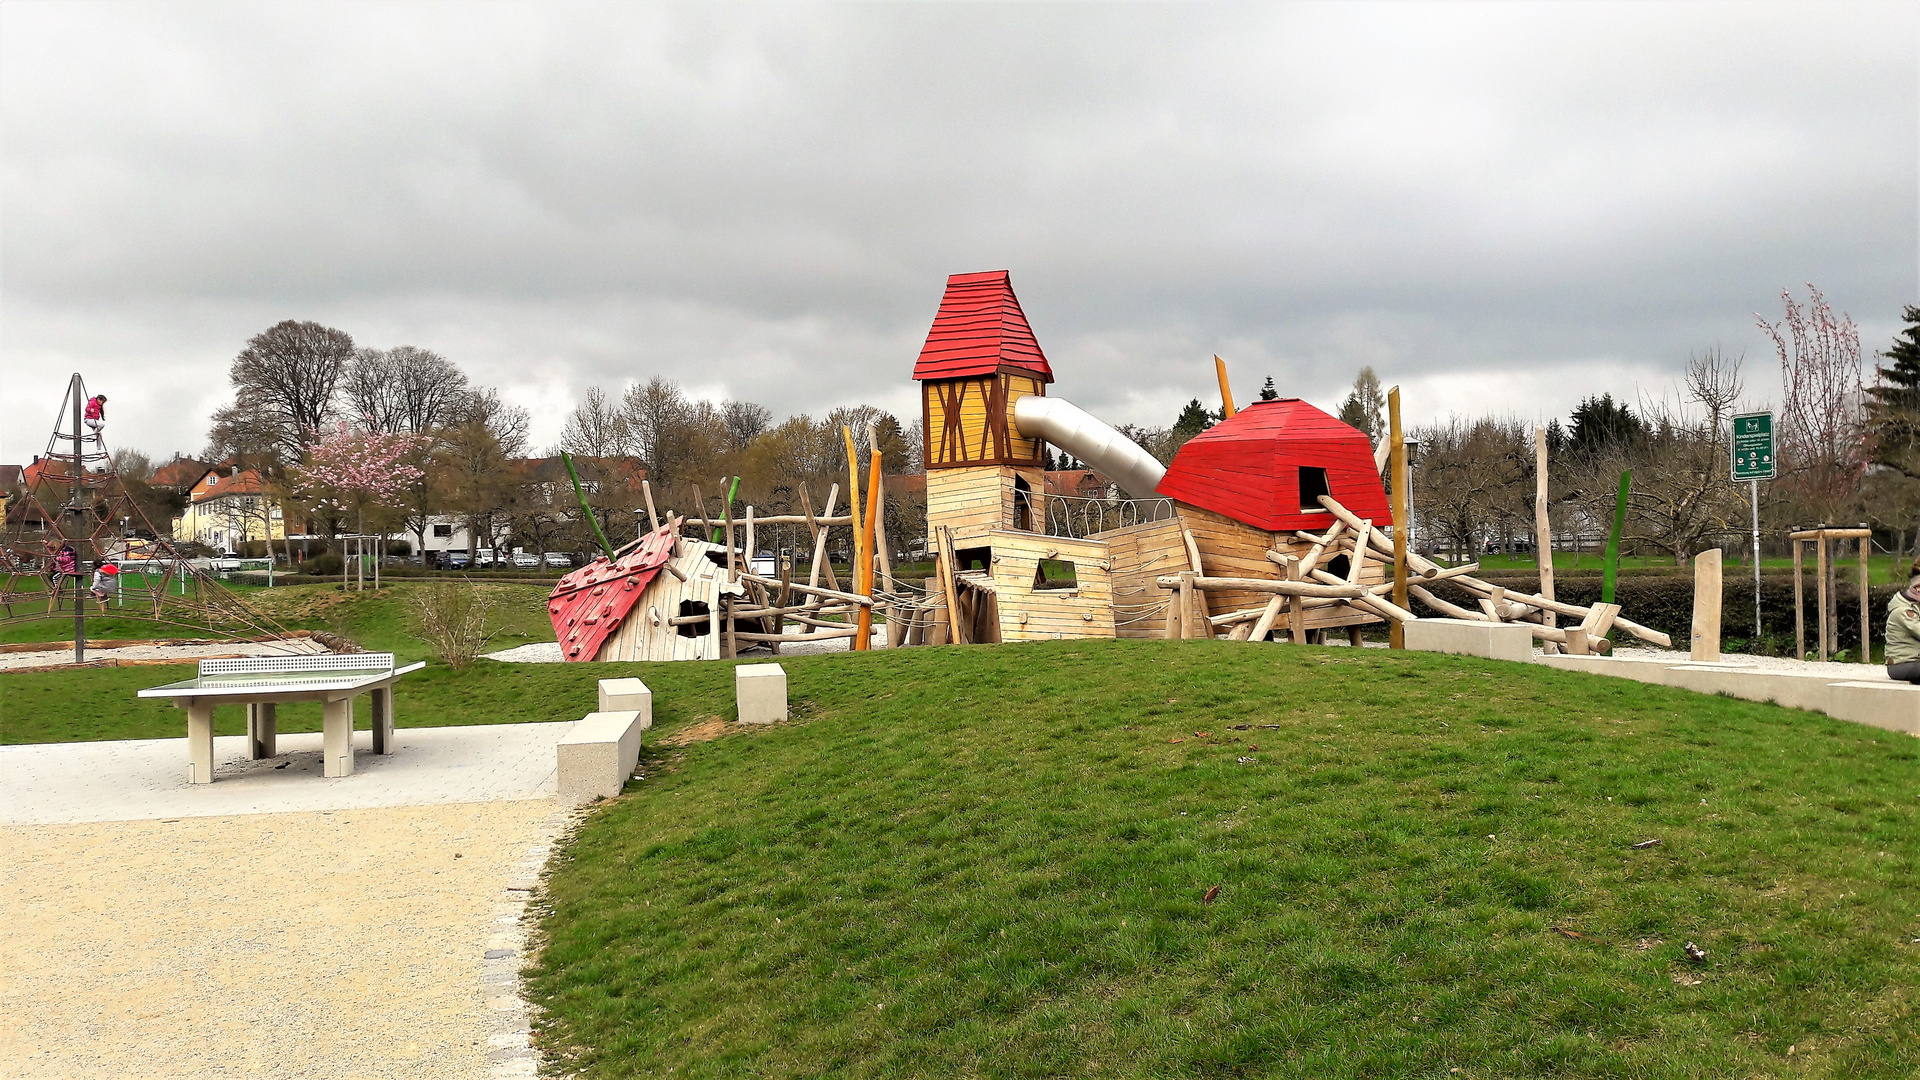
[263, 682]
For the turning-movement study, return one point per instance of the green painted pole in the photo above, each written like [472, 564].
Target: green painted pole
[732, 492]
[584, 508]
[1613, 539]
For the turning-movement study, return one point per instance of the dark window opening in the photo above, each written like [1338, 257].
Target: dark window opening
[978, 558]
[1055, 574]
[1339, 566]
[699, 629]
[1313, 484]
[1022, 505]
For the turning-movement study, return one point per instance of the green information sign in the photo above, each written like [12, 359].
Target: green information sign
[1753, 446]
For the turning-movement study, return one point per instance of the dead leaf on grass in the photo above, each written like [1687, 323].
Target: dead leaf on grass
[1212, 894]
[1564, 932]
[1681, 978]
[1176, 738]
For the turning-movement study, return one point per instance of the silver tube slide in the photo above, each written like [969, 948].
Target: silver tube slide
[1070, 428]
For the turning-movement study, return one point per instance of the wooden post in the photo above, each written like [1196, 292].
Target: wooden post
[733, 572]
[1397, 461]
[955, 632]
[1187, 628]
[653, 518]
[1799, 603]
[1706, 606]
[1820, 588]
[1542, 523]
[1866, 612]
[1226, 392]
[1297, 605]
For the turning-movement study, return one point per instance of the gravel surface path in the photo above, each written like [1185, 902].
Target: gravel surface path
[333, 944]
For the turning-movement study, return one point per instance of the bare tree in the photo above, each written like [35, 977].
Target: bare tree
[287, 377]
[1475, 483]
[1824, 448]
[744, 422]
[595, 428]
[403, 390]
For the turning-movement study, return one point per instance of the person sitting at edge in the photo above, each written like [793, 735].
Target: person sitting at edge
[1903, 630]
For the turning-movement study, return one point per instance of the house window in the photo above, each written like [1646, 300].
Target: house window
[1022, 505]
[213, 481]
[1313, 484]
[442, 531]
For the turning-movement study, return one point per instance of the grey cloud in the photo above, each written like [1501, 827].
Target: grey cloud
[1506, 205]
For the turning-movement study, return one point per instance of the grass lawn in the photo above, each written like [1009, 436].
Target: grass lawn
[997, 861]
[99, 703]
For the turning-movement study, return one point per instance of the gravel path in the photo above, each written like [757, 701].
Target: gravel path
[334, 944]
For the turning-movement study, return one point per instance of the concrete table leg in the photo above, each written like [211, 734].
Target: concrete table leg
[269, 730]
[262, 731]
[336, 739]
[382, 702]
[200, 742]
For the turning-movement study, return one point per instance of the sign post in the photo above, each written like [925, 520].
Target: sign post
[1753, 461]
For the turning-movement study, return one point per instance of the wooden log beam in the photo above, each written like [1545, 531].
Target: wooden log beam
[810, 590]
[1366, 599]
[1334, 586]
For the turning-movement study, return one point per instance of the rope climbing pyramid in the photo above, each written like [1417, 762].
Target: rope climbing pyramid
[76, 516]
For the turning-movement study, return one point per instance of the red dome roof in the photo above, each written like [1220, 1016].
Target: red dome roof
[1249, 467]
[980, 329]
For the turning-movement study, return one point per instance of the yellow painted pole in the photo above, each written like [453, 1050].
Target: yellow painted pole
[1397, 462]
[1226, 392]
[867, 530]
[853, 488]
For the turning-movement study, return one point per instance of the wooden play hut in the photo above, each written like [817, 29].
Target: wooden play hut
[1246, 490]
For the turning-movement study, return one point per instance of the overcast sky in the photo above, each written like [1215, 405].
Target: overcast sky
[1499, 207]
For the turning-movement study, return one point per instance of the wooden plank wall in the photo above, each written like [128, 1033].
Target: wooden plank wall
[1136, 556]
[646, 635]
[973, 502]
[1029, 614]
[1230, 548]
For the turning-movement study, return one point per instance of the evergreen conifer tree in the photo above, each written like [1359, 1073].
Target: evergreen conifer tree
[1893, 414]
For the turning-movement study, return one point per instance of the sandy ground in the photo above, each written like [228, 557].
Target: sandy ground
[548, 652]
[338, 944]
[1839, 672]
[174, 653]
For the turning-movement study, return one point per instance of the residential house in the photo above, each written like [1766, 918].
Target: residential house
[229, 505]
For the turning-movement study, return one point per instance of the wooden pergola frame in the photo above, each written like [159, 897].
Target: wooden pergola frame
[1822, 572]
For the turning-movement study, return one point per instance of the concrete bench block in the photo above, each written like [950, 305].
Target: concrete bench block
[1880, 703]
[760, 691]
[627, 695]
[1464, 637]
[598, 754]
[1793, 690]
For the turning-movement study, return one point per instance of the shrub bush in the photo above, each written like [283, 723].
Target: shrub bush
[322, 566]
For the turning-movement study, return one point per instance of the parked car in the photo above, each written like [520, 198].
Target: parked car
[558, 558]
[225, 562]
[525, 560]
[458, 560]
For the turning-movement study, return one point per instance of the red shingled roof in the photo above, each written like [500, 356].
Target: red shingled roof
[1248, 467]
[980, 328]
